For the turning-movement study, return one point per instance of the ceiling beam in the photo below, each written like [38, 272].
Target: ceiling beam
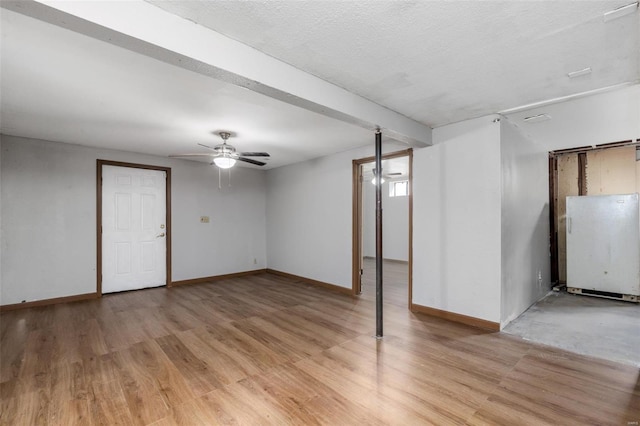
[148, 30]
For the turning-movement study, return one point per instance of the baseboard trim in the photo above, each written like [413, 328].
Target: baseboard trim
[217, 277]
[343, 290]
[47, 302]
[404, 262]
[452, 316]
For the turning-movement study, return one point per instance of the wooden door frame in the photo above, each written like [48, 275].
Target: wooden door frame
[356, 238]
[167, 170]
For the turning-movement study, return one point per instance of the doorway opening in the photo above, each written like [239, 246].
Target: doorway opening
[133, 226]
[397, 205]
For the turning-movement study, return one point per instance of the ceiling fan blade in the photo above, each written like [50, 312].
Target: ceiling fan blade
[251, 161]
[255, 154]
[394, 174]
[191, 155]
[206, 146]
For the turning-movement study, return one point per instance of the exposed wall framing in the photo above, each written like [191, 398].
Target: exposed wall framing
[611, 168]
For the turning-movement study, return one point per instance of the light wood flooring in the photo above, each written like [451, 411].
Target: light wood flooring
[268, 350]
[395, 275]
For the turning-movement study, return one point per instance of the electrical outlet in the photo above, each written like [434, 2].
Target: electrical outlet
[204, 219]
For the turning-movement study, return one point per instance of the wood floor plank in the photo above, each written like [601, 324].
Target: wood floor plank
[578, 391]
[100, 369]
[195, 372]
[79, 341]
[380, 388]
[244, 405]
[31, 408]
[284, 344]
[145, 401]
[108, 404]
[68, 382]
[362, 392]
[320, 332]
[224, 363]
[191, 413]
[39, 356]
[245, 350]
[70, 412]
[338, 317]
[150, 363]
[14, 341]
[266, 349]
[327, 408]
[455, 390]
[9, 409]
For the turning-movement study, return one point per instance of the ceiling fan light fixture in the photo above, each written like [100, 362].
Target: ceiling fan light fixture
[224, 162]
[373, 181]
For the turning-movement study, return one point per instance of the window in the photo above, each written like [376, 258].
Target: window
[399, 188]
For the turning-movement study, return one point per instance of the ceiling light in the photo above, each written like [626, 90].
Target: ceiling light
[579, 73]
[373, 181]
[620, 12]
[537, 118]
[224, 162]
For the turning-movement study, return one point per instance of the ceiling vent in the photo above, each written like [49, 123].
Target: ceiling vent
[579, 73]
[620, 12]
[537, 118]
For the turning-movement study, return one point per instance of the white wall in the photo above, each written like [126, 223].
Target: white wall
[395, 223]
[456, 241]
[592, 120]
[525, 222]
[48, 219]
[309, 216]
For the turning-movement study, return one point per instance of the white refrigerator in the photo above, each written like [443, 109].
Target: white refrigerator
[603, 245]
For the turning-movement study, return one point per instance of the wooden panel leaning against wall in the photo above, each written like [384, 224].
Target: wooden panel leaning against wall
[567, 185]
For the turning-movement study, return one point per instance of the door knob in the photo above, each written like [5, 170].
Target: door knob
[161, 235]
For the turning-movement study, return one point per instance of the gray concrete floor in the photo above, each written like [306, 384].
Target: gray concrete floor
[587, 325]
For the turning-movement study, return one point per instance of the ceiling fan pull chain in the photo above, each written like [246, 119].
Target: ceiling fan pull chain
[219, 179]
[229, 177]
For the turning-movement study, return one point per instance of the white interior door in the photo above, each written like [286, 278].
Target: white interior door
[133, 228]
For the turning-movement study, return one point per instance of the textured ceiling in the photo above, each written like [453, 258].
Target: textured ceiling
[435, 61]
[59, 85]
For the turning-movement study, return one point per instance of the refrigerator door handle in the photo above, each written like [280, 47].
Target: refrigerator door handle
[569, 224]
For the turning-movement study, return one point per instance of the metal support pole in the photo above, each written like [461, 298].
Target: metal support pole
[378, 176]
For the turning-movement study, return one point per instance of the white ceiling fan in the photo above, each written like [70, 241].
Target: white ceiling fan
[225, 156]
